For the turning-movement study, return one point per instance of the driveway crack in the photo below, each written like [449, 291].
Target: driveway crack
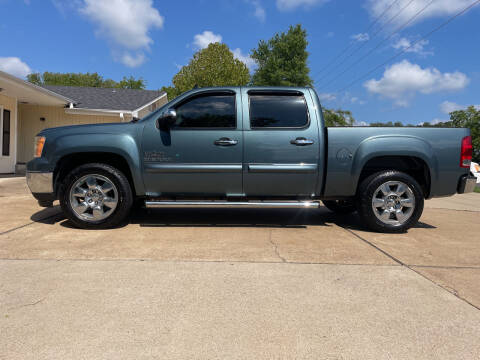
[275, 248]
[28, 304]
[410, 267]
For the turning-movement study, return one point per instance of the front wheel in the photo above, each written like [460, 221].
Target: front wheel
[390, 201]
[96, 196]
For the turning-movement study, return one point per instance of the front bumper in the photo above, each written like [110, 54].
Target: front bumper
[467, 184]
[41, 186]
[40, 182]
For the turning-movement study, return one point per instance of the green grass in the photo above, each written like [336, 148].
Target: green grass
[477, 189]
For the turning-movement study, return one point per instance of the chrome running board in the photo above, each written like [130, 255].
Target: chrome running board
[234, 204]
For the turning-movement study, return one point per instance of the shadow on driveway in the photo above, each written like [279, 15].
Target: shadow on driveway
[202, 217]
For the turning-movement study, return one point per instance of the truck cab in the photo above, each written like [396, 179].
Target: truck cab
[235, 143]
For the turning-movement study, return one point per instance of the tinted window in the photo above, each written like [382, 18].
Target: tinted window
[282, 111]
[6, 133]
[211, 111]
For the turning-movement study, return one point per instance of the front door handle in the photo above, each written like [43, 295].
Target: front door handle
[301, 141]
[225, 142]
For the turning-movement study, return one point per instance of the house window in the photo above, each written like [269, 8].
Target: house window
[6, 133]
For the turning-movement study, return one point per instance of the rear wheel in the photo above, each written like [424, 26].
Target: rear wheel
[96, 196]
[340, 206]
[390, 201]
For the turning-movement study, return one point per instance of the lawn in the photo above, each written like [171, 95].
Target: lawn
[477, 189]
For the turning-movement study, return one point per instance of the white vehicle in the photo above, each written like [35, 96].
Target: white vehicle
[475, 169]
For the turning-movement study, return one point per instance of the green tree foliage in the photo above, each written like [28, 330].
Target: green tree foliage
[131, 83]
[338, 118]
[212, 66]
[469, 118]
[282, 60]
[84, 79]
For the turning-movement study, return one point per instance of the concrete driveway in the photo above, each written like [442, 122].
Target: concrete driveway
[238, 284]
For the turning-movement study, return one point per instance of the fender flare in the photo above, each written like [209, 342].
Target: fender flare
[119, 144]
[394, 145]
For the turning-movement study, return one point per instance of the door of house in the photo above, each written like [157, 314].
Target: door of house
[7, 158]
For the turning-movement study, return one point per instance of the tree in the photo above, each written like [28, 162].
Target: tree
[84, 79]
[131, 83]
[212, 66]
[282, 60]
[469, 118]
[338, 117]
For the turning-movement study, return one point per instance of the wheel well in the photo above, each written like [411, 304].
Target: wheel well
[413, 166]
[69, 162]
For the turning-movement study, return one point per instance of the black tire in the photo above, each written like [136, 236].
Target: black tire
[340, 206]
[369, 187]
[123, 194]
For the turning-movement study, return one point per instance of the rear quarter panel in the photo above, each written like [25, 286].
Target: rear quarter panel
[349, 149]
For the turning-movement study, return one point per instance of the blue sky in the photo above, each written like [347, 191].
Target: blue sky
[151, 39]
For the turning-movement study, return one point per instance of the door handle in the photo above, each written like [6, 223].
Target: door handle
[225, 142]
[301, 141]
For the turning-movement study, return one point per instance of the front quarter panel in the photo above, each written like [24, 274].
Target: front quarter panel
[123, 144]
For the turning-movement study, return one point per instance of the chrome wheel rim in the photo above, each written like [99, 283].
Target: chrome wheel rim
[93, 197]
[393, 203]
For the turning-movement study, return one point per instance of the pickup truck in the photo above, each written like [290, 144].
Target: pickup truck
[244, 147]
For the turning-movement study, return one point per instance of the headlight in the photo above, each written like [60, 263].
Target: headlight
[39, 143]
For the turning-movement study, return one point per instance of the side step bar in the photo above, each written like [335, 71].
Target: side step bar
[234, 204]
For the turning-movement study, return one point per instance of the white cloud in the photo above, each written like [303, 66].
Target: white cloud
[133, 60]
[201, 41]
[448, 106]
[406, 45]
[259, 10]
[361, 123]
[124, 23]
[286, 5]
[356, 100]
[436, 9]
[434, 121]
[245, 58]
[326, 97]
[361, 37]
[402, 80]
[14, 66]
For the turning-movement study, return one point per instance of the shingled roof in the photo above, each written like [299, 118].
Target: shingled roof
[105, 98]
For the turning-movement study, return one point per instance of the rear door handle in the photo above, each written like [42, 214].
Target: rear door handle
[301, 141]
[225, 142]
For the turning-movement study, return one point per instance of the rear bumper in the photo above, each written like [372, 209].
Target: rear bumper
[467, 184]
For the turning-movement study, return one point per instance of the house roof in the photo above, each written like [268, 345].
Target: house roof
[28, 93]
[106, 98]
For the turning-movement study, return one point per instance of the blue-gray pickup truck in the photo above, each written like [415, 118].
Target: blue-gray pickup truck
[247, 147]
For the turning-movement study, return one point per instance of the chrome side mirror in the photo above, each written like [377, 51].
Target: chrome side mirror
[167, 119]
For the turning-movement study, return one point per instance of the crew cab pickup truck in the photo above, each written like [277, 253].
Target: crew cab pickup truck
[247, 147]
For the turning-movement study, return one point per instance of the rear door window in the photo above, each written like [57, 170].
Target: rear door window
[278, 111]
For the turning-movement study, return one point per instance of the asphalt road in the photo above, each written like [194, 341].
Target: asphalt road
[238, 284]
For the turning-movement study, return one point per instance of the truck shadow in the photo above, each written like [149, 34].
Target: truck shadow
[268, 218]
[285, 218]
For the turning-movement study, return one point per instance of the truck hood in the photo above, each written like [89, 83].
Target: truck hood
[110, 128]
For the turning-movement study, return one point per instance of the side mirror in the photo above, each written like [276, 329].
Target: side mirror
[167, 119]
